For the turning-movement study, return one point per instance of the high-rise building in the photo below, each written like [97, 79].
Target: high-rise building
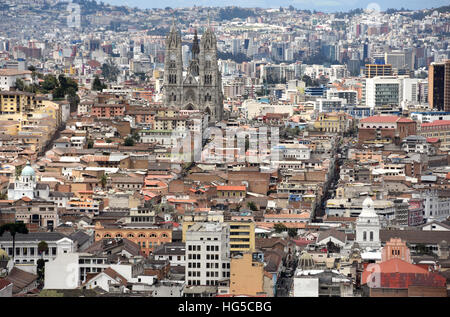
[373, 70]
[382, 91]
[207, 253]
[439, 86]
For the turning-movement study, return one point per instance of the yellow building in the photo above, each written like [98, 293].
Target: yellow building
[50, 109]
[242, 236]
[16, 102]
[230, 192]
[332, 122]
[246, 276]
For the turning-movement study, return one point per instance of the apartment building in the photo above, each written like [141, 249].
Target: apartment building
[207, 254]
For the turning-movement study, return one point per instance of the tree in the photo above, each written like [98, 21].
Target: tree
[19, 169]
[308, 81]
[110, 70]
[50, 83]
[129, 141]
[292, 232]
[103, 180]
[136, 136]
[13, 228]
[40, 269]
[252, 206]
[3, 196]
[279, 227]
[90, 144]
[20, 85]
[42, 248]
[97, 84]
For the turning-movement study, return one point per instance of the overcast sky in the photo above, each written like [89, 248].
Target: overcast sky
[320, 5]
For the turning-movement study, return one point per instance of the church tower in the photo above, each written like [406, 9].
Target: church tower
[368, 226]
[201, 87]
[173, 68]
[25, 186]
[210, 78]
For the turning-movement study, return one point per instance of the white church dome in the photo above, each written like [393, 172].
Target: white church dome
[28, 170]
[368, 209]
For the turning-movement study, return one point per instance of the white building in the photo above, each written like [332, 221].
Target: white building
[26, 246]
[368, 226]
[27, 186]
[69, 270]
[435, 207]
[174, 252]
[207, 253]
[293, 151]
[8, 78]
[382, 91]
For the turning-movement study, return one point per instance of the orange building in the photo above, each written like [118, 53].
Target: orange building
[231, 191]
[395, 249]
[108, 110]
[246, 276]
[148, 238]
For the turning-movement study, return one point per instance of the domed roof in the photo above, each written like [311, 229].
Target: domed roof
[28, 170]
[368, 209]
[306, 261]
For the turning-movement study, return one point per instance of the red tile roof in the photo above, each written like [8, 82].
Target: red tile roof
[436, 123]
[231, 188]
[405, 280]
[383, 119]
[3, 283]
[400, 274]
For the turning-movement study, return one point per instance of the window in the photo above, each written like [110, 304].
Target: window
[364, 236]
[371, 235]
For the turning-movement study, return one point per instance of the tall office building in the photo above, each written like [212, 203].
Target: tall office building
[207, 253]
[382, 91]
[373, 70]
[439, 86]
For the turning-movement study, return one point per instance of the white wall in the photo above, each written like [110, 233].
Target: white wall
[306, 287]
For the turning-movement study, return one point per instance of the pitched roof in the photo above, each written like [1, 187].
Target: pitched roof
[3, 283]
[397, 273]
[116, 276]
[436, 123]
[35, 236]
[339, 235]
[415, 236]
[381, 119]
[20, 279]
[227, 187]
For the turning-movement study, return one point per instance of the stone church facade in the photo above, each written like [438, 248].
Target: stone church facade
[200, 86]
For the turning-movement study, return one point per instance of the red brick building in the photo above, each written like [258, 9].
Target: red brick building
[108, 110]
[392, 128]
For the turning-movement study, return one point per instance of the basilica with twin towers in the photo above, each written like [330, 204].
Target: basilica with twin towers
[199, 87]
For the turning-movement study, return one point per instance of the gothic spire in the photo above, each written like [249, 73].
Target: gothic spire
[195, 46]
